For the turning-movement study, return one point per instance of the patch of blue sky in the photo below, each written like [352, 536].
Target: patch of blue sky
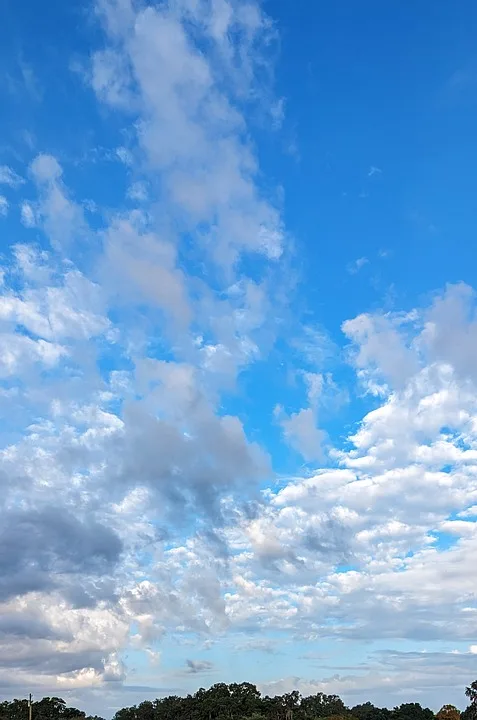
[344, 567]
[457, 438]
[444, 540]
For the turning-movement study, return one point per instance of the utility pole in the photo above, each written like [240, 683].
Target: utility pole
[29, 707]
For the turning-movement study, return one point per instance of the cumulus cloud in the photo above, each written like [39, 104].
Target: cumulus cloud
[41, 546]
[301, 432]
[381, 347]
[113, 463]
[301, 429]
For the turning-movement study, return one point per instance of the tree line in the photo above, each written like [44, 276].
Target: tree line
[243, 701]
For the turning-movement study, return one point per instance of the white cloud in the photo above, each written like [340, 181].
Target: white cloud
[449, 334]
[17, 352]
[301, 429]
[208, 168]
[373, 170]
[389, 679]
[377, 514]
[56, 313]
[3, 206]
[301, 432]
[139, 261]
[27, 215]
[381, 345]
[124, 155]
[61, 217]
[356, 266]
[46, 168]
[10, 177]
[69, 647]
[138, 192]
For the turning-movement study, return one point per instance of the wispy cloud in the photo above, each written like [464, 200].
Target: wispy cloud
[373, 170]
[198, 667]
[10, 177]
[357, 265]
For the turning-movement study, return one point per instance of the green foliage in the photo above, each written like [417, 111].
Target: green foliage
[368, 711]
[471, 692]
[321, 706]
[48, 708]
[15, 710]
[412, 711]
[242, 701]
[470, 713]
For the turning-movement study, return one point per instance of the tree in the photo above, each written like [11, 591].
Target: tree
[321, 706]
[52, 708]
[448, 712]
[412, 711]
[173, 707]
[368, 711]
[215, 702]
[48, 708]
[470, 713]
[127, 713]
[14, 710]
[290, 703]
[245, 699]
[146, 710]
[471, 692]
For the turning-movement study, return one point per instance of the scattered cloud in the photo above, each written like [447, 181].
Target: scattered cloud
[198, 667]
[302, 434]
[30, 81]
[139, 502]
[278, 113]
[138, 192]
[373, 170]
[27, 215]
[356, 266]
[124, 155]
[10, 177]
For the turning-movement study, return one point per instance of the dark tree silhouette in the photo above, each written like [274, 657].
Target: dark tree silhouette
[48, 708]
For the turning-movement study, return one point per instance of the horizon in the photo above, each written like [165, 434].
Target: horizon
[242, 700]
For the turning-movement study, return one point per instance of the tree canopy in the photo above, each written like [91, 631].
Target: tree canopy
[242, 701]
[48, 708]
[448, 712]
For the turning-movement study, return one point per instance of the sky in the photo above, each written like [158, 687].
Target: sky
[238, 332]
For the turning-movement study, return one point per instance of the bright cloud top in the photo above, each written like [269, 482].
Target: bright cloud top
[147, 346]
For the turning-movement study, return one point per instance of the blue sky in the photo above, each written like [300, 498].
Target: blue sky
[237, 349]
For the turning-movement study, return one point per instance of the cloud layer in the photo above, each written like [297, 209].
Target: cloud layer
[139, 502]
